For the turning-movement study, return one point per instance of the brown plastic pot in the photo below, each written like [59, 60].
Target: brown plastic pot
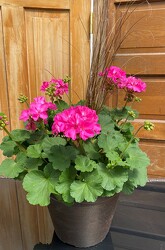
[83, 224]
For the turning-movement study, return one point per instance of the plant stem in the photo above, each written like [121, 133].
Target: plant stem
[18, 144]
[133, 137]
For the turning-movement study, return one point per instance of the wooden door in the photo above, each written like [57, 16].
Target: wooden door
[142, 53]
[38, 39]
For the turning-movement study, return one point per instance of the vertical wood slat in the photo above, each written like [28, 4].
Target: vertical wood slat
[79, 46]
[28, 219]
[47, 46]
[10, 229]
[15, 57]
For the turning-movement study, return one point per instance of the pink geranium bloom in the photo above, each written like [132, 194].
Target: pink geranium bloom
[135, 84]
[115, 74]
[77, 122]
[44, 86]
[37, 111]
[60, 87]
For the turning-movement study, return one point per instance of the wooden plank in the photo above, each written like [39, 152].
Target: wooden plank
[79, 48]
[3, 83]
[28, 219]
[129, 218]
[144, 199]
[146, 63]
[133, 242]
[45, 225]
[15, 57]
[156, 152]
[143, 16]
[154, 94]
[10, 230]
[47, 46]
[55, 4]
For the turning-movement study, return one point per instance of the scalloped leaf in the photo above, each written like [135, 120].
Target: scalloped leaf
[34, 151]
[88, 189]
[20, 135]
[61, 156]
[40, 185]
[106, 123]
[49, 142]
[8, 148]
[65, 180]
[11, 169]
[92, 150]
[84, 164]
[112, 178]
[137, 158]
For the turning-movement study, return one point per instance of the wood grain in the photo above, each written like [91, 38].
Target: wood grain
[47, 35]
[142, 54]
[10, 228]
[79, 48]
[55, 4]
[15, 59]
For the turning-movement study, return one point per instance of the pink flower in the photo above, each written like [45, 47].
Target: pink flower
[58, 85]
[114, 73]
[37, 111]
[61, 88]
[44, 86]
[77, 122]
[135, 84]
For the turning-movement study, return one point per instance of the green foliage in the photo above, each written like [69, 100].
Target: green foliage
[77, 171]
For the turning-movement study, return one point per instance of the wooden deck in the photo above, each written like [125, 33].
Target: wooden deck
[139, 222]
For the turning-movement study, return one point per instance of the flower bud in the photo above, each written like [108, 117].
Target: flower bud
[3, 121]
[148, 125]
[67, 79]
[137, 99]
[132, 114]
[22, 98]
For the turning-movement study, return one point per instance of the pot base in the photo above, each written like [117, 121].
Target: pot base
[83, 224]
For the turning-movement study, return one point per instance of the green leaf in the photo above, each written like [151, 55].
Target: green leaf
[33, 164]
[137, 158]
[34, 151]
[138, 177]
[128, 187]
[28, 163]
[113, 156]
[92, 150]
[84, 164]
[110, 141]
[106, 123]
[40, 185]
[49, 142]
[9, 168]
[36, 137]
[61, 156]
[88, 189]
[112, 178]
[65, 180]
[20, 135]
[127, 127]
[61, 105]
[8, 148]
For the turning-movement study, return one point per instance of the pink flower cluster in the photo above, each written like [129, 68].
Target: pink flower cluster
[77, 122]
[60, 87]
[119, 78]
[37, 111]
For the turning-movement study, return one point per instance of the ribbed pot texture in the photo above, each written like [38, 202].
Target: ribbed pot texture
[83, 224]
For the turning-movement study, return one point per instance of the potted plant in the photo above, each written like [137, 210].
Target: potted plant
[77, 155]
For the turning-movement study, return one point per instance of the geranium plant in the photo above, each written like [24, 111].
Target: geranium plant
[75, 152]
